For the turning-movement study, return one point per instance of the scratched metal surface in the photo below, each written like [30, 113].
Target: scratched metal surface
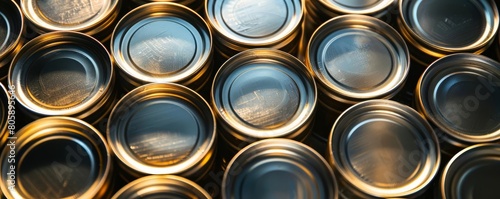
[66, 12]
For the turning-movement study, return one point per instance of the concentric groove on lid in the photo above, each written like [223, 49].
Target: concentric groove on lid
[357, 6]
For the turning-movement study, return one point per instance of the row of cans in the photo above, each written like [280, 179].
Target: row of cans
[377, 148]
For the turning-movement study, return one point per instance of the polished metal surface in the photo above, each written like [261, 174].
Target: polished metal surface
[460, 93]
[58, 157]
[62, 73]
[11, 28]
[357, 6]
[163, 129]
[4, 115]
[163, 43]
[356, 57]
[384, 149]
[439, 28]
[263, 93]
[472, 173]
[278, 168]
[161, 186]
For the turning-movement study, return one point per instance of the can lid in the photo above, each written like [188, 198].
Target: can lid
[264, 93]
[161, 129]
[472, 173]
[358, 57]
[460, 94]
[11, 27]
[279, 168]
[61, 73]
[58, 157]
[162, 186]
[451, 25]
[384, 148]
[252, 23]
[68, 15]
[161, 42]
[357, 6]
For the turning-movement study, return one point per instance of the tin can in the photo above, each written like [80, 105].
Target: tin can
[163, 43]
[355, 58]
[472, 173]
[11, 29]
[93, 17]
[384, 149]
[196, 5]
[260, 94]
[439, 28]
[64, 73]
[279, 168]
[162, 186]
[56, 157]
[459, 94]
[239, 25]
[4, 115]
[163, 129]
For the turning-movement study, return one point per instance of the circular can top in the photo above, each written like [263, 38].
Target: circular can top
[255, 22]
[384, 149]
[61, 73]
[57, 157]
[66, 15]
[11, 27]
[357, 57]
[357, 6]
[278, 168]
[460, 94]
[472, 173]
[264, 93]
[450, 25]
[162, 42]
[161, 186]
[162, 129]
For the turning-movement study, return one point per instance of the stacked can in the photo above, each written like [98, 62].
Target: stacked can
[196, 5]
[459, 94]
[383, 149]
[239, 25]
[11, 29]
[263, 93]
[355, 58]
[57, 157]
[162, 129]
[162, 43]
[439, 28]
[4, 114]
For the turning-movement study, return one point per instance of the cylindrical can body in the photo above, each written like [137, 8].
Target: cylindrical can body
[434, 29]
[161, 186]
[56, 157]
[163, 129]
[263, 93]
[94, 17]
[383, 149]
[163, 43]
[278, 168]
[472, 173]
[459, 94]
[355, 58]
[64, 74]
[196, 5]
[11, 29]
[5, 102]
[239, 25]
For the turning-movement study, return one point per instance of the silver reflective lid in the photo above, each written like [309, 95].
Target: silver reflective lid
[161, 129]
[255, 22]
[460, 94]
[357, 6]
[451, 25]
[384, 149]
[162, 42]
[161, 186]
[264, 93]
[473, 173]
[278, 168]
[61, 73]
[58, 157]
[11, 27]
[67, 15]
[358, 57]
